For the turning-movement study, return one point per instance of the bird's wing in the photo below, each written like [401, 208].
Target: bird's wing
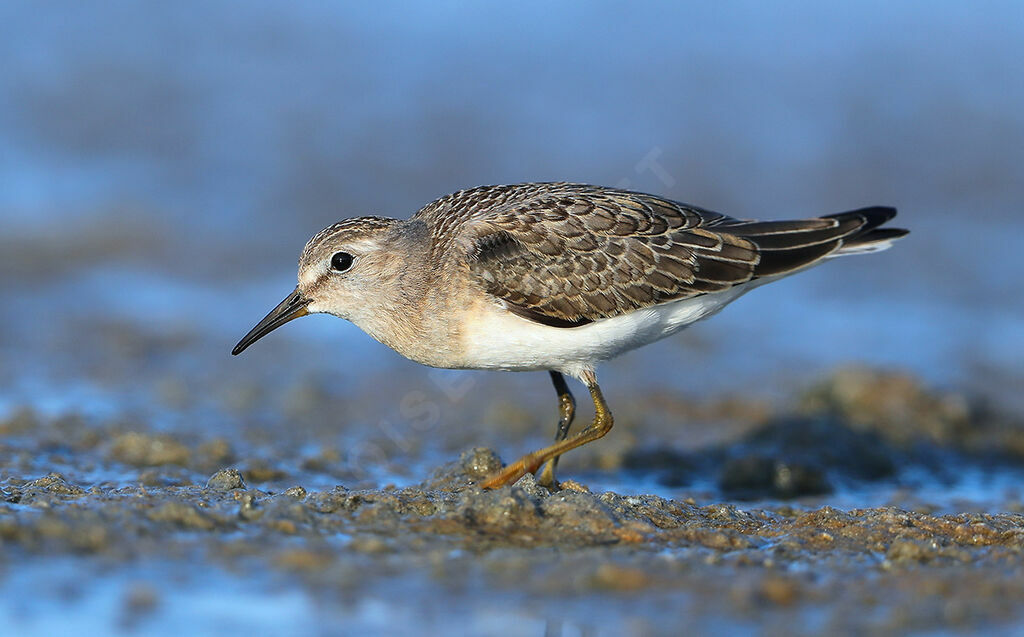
[566, 255]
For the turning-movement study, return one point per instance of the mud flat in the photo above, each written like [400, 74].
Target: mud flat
[143, 530]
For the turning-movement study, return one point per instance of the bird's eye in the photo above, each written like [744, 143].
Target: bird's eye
[341, 261]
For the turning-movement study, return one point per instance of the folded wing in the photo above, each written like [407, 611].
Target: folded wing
[572, 254]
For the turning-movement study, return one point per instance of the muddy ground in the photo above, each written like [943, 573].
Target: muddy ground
[867, 503]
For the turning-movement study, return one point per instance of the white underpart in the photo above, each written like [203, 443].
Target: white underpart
[497, 339]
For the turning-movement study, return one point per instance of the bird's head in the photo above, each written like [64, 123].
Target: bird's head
[341, 272]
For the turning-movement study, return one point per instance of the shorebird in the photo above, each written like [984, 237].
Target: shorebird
[551, 276]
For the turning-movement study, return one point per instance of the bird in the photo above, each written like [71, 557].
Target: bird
[555, 277]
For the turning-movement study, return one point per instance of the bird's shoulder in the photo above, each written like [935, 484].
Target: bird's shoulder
[557, 209]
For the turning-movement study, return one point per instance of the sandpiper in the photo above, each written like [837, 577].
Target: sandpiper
[551, 276]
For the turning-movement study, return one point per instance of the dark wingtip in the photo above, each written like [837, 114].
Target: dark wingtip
[874, 216]
[883, 234]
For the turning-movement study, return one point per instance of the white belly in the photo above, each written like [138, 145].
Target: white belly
[493, 338]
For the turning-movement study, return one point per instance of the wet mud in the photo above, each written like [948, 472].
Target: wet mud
[743, 533]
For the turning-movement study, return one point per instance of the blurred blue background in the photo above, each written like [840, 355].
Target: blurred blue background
[162, 165]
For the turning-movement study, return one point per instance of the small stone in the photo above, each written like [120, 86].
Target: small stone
[480, 462]
[56, 484]
[226, 480]
[572, 485]
[528, 483]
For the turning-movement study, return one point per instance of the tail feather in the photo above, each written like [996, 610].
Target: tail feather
[869, 237]
[872, 241]
[873, 216]
[788, 246]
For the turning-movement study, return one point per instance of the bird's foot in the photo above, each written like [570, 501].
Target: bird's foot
[547, 476]
[527, 464]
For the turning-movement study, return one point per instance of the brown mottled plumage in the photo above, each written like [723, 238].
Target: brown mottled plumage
[569, 254]
[552, 276]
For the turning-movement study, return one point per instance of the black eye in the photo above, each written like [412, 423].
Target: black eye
[341, 261]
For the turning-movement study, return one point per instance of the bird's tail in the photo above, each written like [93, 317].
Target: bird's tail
[785, 247]
[869, 237]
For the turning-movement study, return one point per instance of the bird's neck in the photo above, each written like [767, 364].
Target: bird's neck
[400, 315]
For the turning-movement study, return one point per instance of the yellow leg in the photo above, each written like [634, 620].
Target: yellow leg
[566, 412]
[529, 463]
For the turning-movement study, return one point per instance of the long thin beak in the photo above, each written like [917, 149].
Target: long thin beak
[292, 307]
